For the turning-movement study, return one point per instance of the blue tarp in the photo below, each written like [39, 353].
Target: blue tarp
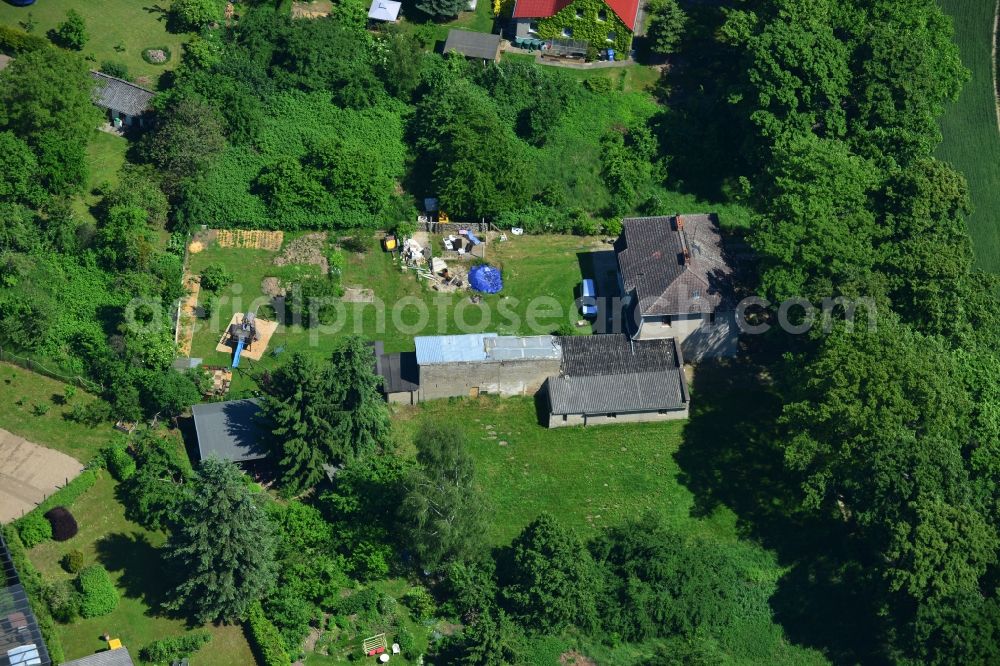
[473, 239]
[485, 278]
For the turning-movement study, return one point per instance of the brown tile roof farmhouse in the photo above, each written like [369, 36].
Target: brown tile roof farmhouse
[673, 265]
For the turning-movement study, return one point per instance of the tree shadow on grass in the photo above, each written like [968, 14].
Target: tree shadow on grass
[144, 574]
[732, 455]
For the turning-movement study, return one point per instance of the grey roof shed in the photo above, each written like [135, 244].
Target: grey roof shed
[604, 374]
[120, 95]
[229, 430]
[119, 657]
[473, 44]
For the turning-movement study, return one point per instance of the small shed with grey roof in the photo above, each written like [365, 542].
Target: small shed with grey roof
[467, 365]
[678, 283]
[614, 379]
[125, 102]
[116, 657]
[229, 430]
[400, 374]
[475, 45]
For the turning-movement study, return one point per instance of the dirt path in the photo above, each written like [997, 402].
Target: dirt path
[187, 315]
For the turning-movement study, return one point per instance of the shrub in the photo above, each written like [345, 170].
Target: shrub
[405, 640]
[34, 529]
[196, 14]
[265, 639]
[420, 602]
[92, 414]
[613, 226]
[63, 601]
[174, 649]
[599, 84]
[63, 523]
[71, 33]
[17, 42]
[156, 55]
[72, 561]
[119, 70]
[120, 462]
[98, 595]
[40, 409]
[216, 277]
[365, 600]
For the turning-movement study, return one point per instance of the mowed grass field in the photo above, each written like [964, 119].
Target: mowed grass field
[131, 554]
[24, 395]
[598, 477]
[971, 136]
[126, 24]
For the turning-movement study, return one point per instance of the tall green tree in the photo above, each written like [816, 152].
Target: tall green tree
[324, 414]
[223, 552]
[667, 23]
[45, 100]
[479, 166]
[71, 33]
[552, 581]
[442, 509]
[442, 8]
[188, 140]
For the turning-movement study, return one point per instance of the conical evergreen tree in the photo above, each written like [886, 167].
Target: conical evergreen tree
[224, 551]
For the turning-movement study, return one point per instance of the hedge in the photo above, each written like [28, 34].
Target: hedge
[28, 526]
[98, 595]
[33, 529]
[265, 639]
[35, 588]
[174, 649]
[120, 462]
[15, 42]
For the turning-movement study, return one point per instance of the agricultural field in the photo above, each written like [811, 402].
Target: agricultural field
[147, 28]
[35, 407]
[970, 127]
[130, 553]
[533, 267]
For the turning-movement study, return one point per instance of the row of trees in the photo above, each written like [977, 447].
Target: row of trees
[887, 429]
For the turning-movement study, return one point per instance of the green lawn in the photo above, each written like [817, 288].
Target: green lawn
[480, 20]
[25, 391]
[131, 554]
[971, 137]
[597, 477]
[111, 23]
[533, 267]
[105, 157]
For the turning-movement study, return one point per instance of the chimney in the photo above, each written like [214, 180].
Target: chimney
[680, 222]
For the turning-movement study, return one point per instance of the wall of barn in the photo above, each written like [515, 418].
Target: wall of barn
[561, 420]
[506, 378]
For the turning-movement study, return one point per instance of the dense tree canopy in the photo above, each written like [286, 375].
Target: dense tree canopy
[223, 550]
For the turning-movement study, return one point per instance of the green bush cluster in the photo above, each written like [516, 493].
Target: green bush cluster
[34, 528]
[73, 561]
[16, 42]
[266, 639]
[98, 595]
[420, 602]
[174, 648]
[63, 600]
[120, 462]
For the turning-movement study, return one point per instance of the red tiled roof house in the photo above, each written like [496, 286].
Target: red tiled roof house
[604, 24]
